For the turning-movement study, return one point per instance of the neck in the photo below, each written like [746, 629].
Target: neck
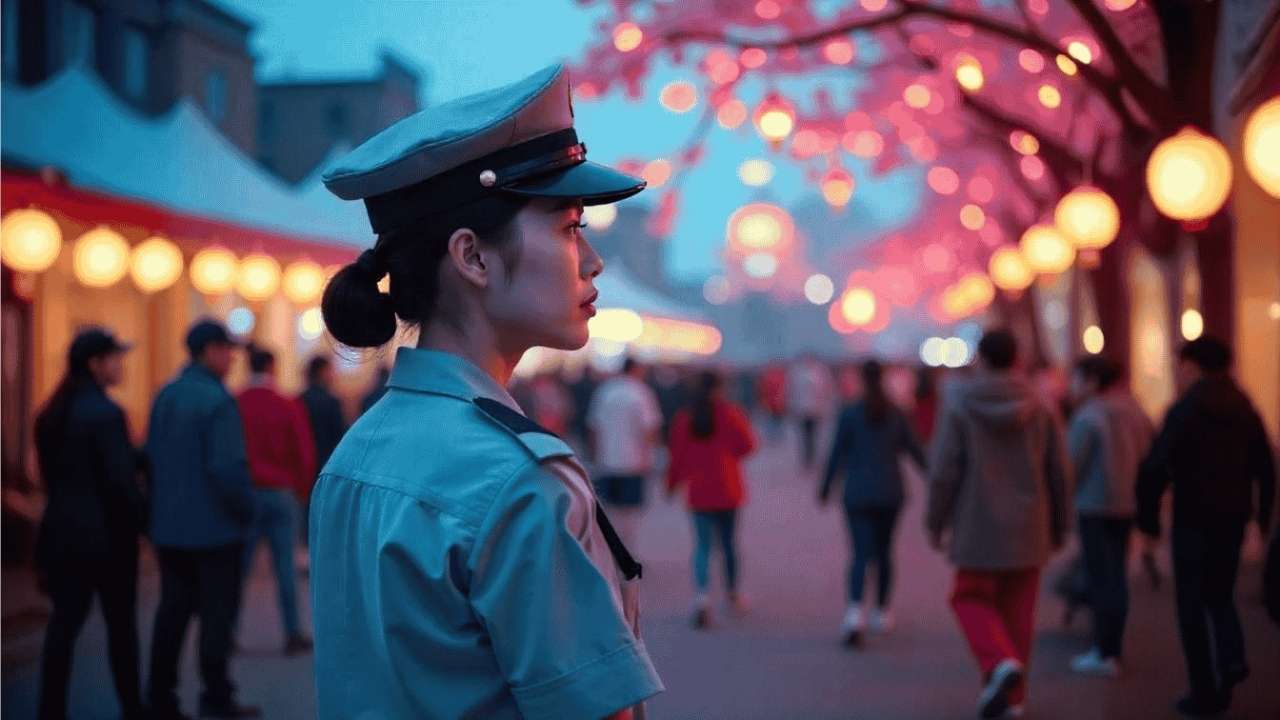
[479, 346]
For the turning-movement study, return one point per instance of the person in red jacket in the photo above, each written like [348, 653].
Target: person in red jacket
[282, 464]
[709, 439]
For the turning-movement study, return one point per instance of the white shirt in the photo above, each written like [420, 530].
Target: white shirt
[810, 386]
[624, 415]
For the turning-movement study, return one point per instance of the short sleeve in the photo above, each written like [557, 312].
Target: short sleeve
[558, 632]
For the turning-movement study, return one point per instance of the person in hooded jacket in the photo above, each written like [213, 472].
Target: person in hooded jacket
[999, 483]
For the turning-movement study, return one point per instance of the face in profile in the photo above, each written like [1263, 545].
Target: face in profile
[108, 369]
[218, 358]
[549, 295]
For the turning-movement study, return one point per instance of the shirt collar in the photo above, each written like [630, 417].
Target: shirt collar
[442, 373]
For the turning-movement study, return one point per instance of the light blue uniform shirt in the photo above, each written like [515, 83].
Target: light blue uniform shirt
[457, 567]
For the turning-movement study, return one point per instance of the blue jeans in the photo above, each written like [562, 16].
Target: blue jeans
[719, 524]
[274, 516]
[871, 530]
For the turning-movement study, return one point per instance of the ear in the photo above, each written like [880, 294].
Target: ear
[467, 258]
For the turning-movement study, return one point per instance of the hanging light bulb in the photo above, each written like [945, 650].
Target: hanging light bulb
[1088, 217]
[837, 187]
[100, 257]
[30, 240]
[1046, 250]
[1189, 175]
[1009, 270]
[155, 265]
[774, 118]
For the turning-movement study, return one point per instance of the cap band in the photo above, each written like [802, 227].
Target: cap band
[474, 180]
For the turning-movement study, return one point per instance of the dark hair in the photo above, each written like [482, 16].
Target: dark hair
[998, 349]
[1102, 371]
[51, 422]
[629, 364]
[876, 402]
[260, 358]
[1209, 354]
[315, 366]
[704, 415]
[359, 315]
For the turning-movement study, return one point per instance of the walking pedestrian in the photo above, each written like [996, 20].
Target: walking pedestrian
[771, 388]
[871, 436]
[328, 425]
[460, 563]
[282, 465]
[1212, 450]
[709, 439]
[202, 506]
[1107, 438]
[88, 538]
[624, 426]
[999, 483]
[810, 389]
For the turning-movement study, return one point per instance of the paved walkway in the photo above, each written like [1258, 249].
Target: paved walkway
[783, 660]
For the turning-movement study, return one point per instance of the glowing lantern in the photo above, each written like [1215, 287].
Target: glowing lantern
[1192, 324]
[155, 265]
[1261, 146]
[943, 180]
[1046, 250]
[917, 96]
[1080, 51]
[858, 306]
[837, 187]
[1009, 270]
[259, 277]
[977, 290]
[100, 257]
[955, 303]
[1088, 217]
[304, 282]
[775, 118]
[755, 172]
[972, 217]
[838, 52]
[627, 37]
[969, 73]
[760, 227]
[600, 217]
[819, 289]
[1066, 65]
[1024, 142]
[1031, 61]
[1189, 175]
[1049, 96]
[30, 240]
[678, 97]
[731, 114]
[213, 271]
[1093, 339]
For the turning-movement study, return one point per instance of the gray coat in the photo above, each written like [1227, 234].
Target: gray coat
[1108, 437]
[998, 475]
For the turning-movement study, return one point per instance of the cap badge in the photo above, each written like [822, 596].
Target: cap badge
[488, 178]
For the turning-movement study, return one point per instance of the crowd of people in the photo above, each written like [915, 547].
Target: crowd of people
[1006, 483]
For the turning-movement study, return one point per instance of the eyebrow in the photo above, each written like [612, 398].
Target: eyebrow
[569, 204]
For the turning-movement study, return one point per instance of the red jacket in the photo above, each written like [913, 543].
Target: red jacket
[277, 438]
[711, 467]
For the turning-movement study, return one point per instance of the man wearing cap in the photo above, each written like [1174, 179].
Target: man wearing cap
[88, 542]
[461, 564]
[202, 505]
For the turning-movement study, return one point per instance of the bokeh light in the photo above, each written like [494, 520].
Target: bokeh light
[731, 114]
[943, 180]
[819, 289]
[1189, 175]
[1093, 339]
[627, 37]
[1049, 96]
[1261, 146]
[679, 96]
[30, 240]
[838, 51]
[755, 172]
[1192, 324]
[156, 264]
[100, 257]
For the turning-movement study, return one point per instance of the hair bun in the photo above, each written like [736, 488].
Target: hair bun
[356, 313]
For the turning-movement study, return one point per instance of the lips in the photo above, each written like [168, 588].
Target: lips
[589, 304]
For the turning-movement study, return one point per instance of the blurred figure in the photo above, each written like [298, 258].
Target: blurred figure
[582, 385]
[202, 506]
[925, 411]
[1107, 438]
[998, 481]
[810, 390]
[623, 425]
[282, 463]
[552, 406]
[772, 390]
[871, 435]
[1212, 449]
[377, 389]
[324, 413]
[88, 540]
[709, 439]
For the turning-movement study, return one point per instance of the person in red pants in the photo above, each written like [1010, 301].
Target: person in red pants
[999, 484]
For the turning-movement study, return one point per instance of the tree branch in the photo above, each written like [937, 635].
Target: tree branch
[1149, 94]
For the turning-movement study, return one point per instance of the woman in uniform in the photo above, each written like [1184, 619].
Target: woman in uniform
[461, 566]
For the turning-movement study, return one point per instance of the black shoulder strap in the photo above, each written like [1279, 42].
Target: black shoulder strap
[514, 421]
[630, 568]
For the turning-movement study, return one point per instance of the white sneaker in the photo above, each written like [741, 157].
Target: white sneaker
[852, 625]
[882, 620]
[1092, 663]
[993, 702]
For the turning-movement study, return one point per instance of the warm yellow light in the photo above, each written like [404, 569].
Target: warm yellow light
[977, 290]
[304, 282]
[1088, 217]
[1080, 51]
[30, 240]
[760, 226]
[259, 277]
[1189, 175]
[1192, 324]
[972, 217]
[1261, 146]
[311, 323]
[1118, 5]
[755, 172]
[1047, 250]
[917, 96]
[627, 37]
[100, 257]
[1024, 142]
[679, 96]
[1049, 96]
[1093, 339]
[775, 118]
[615, 324]
[955, 303]
[213, 271]
[969, 73]
[1066, 65]
[819, 289]
[1009, 270]
[155, 265]
[837, 187]
[600, 217]
[858, 306]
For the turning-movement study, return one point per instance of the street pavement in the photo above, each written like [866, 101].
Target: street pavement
[783, 659]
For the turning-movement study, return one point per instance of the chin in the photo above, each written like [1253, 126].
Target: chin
[569, 338]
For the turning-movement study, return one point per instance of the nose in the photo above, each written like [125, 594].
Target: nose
[592, 263]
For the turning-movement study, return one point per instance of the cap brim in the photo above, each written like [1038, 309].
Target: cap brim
[595, 184]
